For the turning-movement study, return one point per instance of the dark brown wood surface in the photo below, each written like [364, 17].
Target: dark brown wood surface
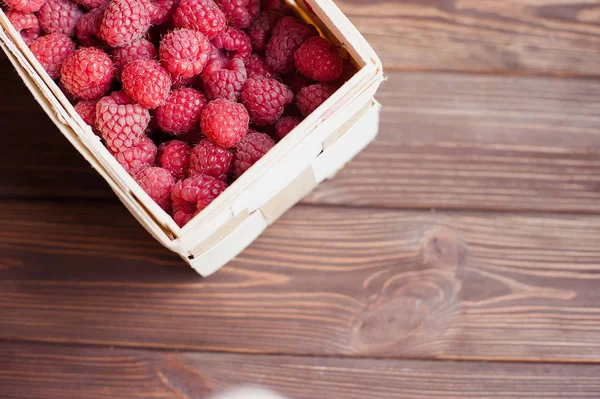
[321, 281]
[466, 236]
[32, 370]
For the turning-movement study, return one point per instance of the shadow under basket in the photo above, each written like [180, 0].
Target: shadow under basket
[314, 151]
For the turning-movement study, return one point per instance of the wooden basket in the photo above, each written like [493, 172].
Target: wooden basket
[315, 150]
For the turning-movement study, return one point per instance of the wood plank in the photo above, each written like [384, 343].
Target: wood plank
[447, 141]
[559, 37]
[321, 281]
[479, 142]
[32, 371]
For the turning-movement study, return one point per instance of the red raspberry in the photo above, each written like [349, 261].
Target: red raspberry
[122, 125]
[309, 98]
[209, 159]
[51, 51]
[287, 36]
[297, 82]
[348, 72]
[124, 21]
[140, 49]
[257, 67]
[318, 60]
[260, 29]
[252, 148]
[26, 24]
[181, 112]
[158, 183]
[286, 125]
[120, 97]
[136, 158]
[87, 73]
[265, 99]
[174, 156]
[91, 4]
[146, 82]
[72, 99]
[59, 16]
[201, 15]
[161, 10]
[87, 111]
[235, 42]
[25, 5]
[180, 82]
[224, 79]
[239, 13]
[192, 195]
[276, 5]
[184, 52]
[87, 30]
[194, 136]
[224, 122]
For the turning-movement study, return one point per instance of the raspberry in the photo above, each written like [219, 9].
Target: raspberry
[26, 24]
[59, 16]
[224, 122]
[184, 52]
[348, 72]
[122, 125]
[309, 98]
[252, 148]
[174, 156]
[192, 195]
[201, 15]
[209, 159]
[161, 10]
[285, 125]
[257, 67]
[120, 97]
[91, 4]
[287, 36]
[265, 99]
[318, 60]
[235, 42]
[87, 73]
[224, 79]
[146, 82]
[181, 112]
[297, 82]
[72, 99]
[276, 5]
[158, 183]
[260, 29]
[124, 21]
[87, 111]
[181, 82]
[87, 30]
[140, 49]
[51, 51]
[25, 6]
[136, 158]
[194, 136]
[239, 13]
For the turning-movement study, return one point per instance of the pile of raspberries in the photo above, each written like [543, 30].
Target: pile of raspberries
[186, 94]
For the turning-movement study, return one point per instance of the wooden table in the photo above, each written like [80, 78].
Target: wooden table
[457, 257]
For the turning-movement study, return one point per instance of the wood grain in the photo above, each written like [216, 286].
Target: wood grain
[479, 142]
[321, 281]
[447, 141]
[33, 371]
[554, 37]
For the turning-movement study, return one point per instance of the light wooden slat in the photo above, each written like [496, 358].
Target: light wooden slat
[557, 37]
[28, 371]
[321, 281]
